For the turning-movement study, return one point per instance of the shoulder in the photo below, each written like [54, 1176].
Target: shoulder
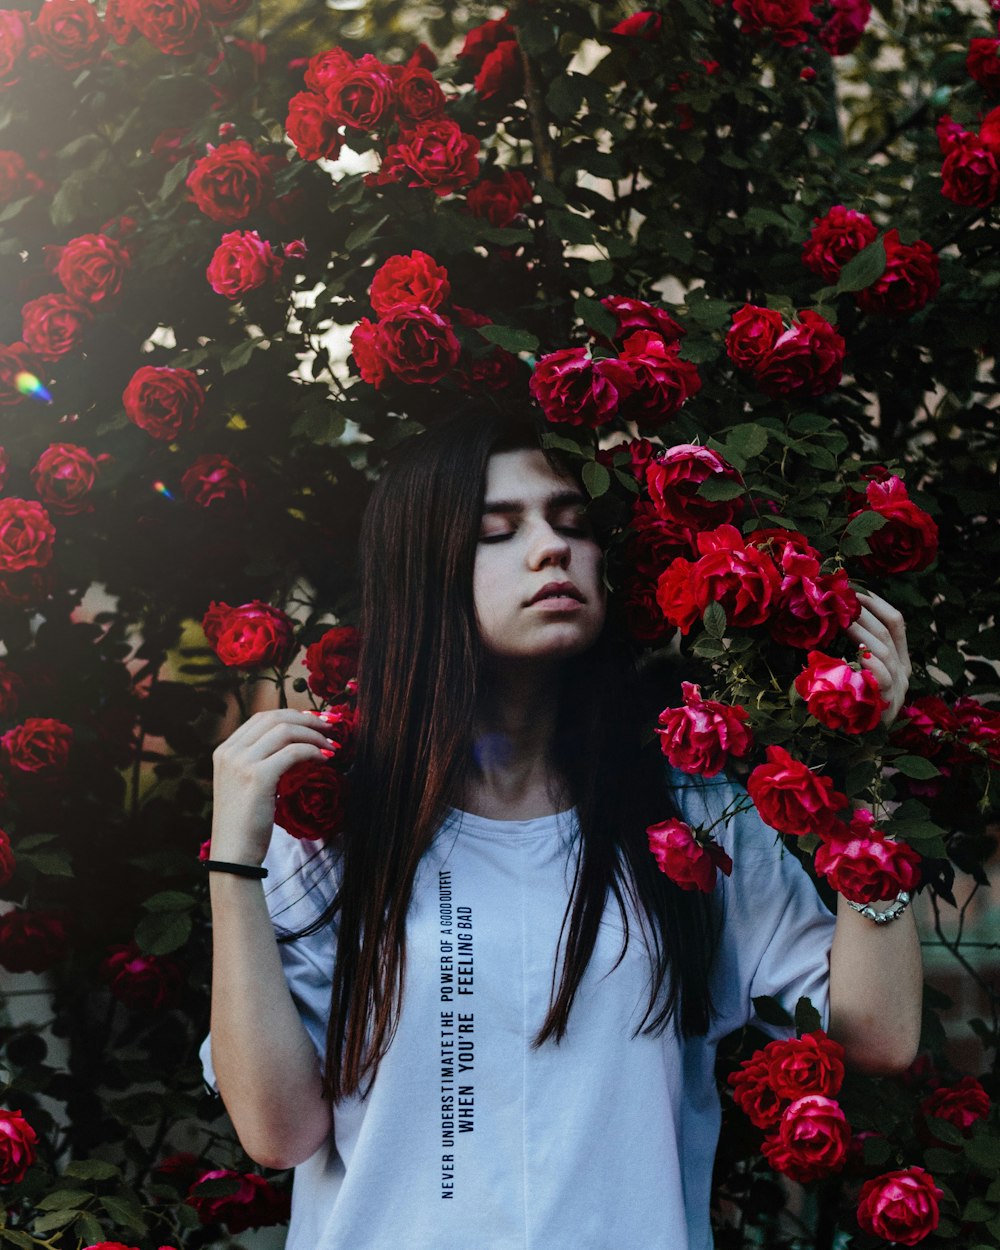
[303, 879]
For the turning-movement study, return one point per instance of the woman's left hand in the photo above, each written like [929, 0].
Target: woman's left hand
[880, 633]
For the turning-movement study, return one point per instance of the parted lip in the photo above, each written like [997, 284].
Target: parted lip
[551, 589]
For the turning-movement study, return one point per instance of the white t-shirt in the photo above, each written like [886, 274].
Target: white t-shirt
[470, 1139]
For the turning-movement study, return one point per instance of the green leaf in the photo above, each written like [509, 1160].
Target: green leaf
[125, 1213]
[54, 1219]
[566, 95]
[977, 1211]
[770, 1011]
[718, 488]
[945, 1161]
[864, 269]
[51, 863]
[876, 1151]
[915, 766]
[747, 440]
[596, 478]
[89, 1229]
[63, 1198]
[984, 1151]
[92, 1170]
[363, 233]
[238, 356]
[807, 1018]
[561, 443]
[163, 932]
[169, 900]
[601, 272]
[714, 620]
[596, 317]
[174, 177]
[509, 338]
[865, 523]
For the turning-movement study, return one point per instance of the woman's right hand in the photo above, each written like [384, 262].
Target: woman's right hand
[246, 768]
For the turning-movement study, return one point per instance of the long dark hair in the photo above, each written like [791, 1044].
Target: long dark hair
[420, 676]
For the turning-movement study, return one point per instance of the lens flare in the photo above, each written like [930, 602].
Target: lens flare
[27, 384]
[161, 488]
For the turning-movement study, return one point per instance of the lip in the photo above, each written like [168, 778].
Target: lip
[557, 591]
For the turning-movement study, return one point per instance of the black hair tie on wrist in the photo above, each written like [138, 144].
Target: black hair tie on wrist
[256, 872]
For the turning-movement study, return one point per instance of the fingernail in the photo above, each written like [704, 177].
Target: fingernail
[326, 754]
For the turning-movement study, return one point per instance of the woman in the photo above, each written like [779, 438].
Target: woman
[497, 1025]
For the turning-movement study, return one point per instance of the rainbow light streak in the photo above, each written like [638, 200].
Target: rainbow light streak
[28, 385]
[162, 489]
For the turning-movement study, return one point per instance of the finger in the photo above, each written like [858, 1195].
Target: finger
[867, 641]
[882, 675]
[255, 726]
[890, 617]
[275, 766]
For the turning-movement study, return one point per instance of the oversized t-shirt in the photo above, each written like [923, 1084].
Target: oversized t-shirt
[473, 1139]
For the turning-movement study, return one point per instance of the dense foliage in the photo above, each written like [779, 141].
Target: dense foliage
[741, 260]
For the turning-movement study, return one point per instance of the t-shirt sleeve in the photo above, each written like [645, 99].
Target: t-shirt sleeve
[302, 880]
[776, 932]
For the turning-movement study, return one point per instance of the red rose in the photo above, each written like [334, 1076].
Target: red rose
[643, 617]
[700, 736]
[785, 19]
[214, 619]
[7, 861]
[310, 802]
[908, 542]
[419, 97]
[361, 94]
[54, 325]
[637, 314]
[900, 1206]
[70, 32]
[835, 238]
[947, 132]
[15, 361]
[39, 747]
[739, 576]
[806, 360]
[646, 24]
[230, 182]
[31, 941]
[574, 389]
[173, 27]
[660, 380]
[26, 535]
[64, 476]
[970, 174]
[813, 1139]
[417, 344]
[641, 455]
[500, 200]
[813, 607]
[674, 476]
[688, 861]
[983, 63]
[501, 75]
[241, 263]
[4, 467]
[752, 335]
[753, 1092]
[675, 595]
[333, 661]
[16, 179]
[435, 154]
[326, 67]
[655, 539]
[92, 267]
[253, 635]
[212, 480]
[253, 1203]
[928, 727]
[311, 128]
[911, 277]
[163, 401]
[410, 280]
[142, 982]
[962, 1104]
[11, 689]
[811, 1064]
[481, 40]
[792, 798]
[980, 727]
[860, 863]
[118, 22]
[839, 695]
[17, 1146]
[841, 32]
[340, 723]
[14, 28]
[367, 354]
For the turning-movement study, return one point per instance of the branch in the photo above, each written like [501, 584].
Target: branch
[545, 152]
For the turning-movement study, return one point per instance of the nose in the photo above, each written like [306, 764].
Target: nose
[548, 546]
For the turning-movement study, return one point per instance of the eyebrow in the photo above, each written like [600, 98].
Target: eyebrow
[560, 499]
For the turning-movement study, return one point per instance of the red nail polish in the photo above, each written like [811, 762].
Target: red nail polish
[326, 754]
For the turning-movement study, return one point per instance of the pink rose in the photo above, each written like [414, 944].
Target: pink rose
[690, 862]
[813, 1139]
[901, 1206]
[793, 799]
[701, 735]
[839, 695]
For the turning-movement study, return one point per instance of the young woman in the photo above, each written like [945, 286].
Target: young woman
[494, 1024]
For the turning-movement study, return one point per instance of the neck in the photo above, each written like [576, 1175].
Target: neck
[512, 775]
